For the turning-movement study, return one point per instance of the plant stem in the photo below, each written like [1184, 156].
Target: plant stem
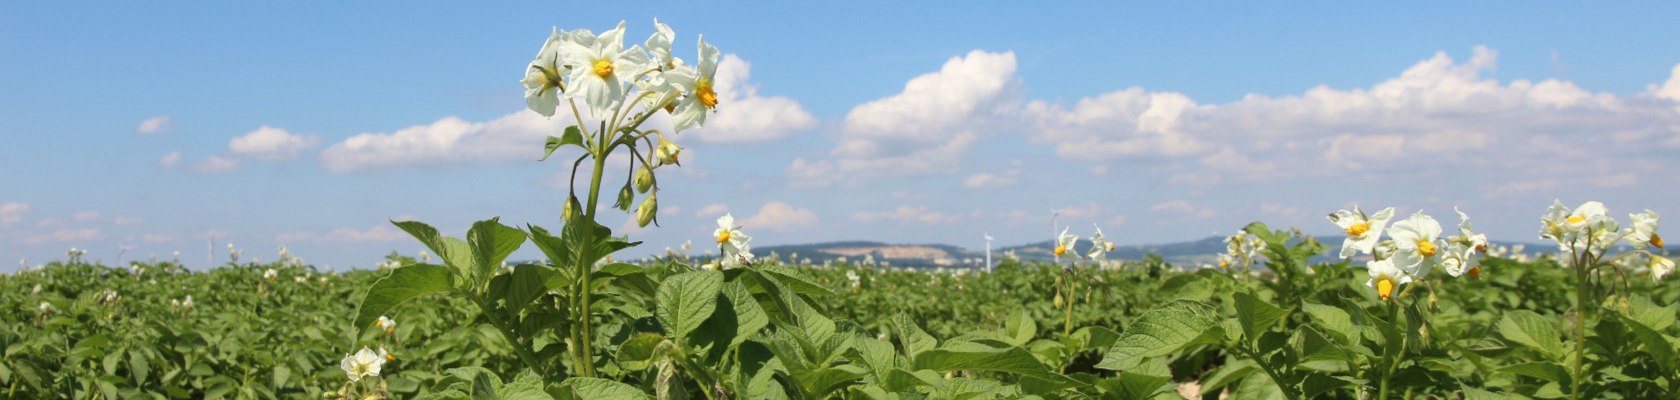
[584, 348]
[524, 353]
[1580, 322]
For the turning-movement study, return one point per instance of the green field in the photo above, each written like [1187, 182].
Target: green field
[670, 330]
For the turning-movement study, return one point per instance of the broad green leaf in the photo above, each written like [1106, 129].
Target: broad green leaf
[685, 301]
[491, 243]
[1256, 315]
[1159, 332]
[454, 252]
[1020, 327]
[1332, 319]
[1144, 382]
[910, 336]
[797, 280]
[1547, 371]
[1479, 394]
[749, 316]
[639, 352]
[878, 355]
[1258, 387]
[556, 251]
[1658, 345]
[1228, 374]
[1532, 330]
[603, 389]
[570, 137]
[401, 285]
[526, 283]
[1011, 359]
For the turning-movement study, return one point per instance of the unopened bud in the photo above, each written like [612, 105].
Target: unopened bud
[667, 151]
[646, 211]
[644, 180]
[570, 212]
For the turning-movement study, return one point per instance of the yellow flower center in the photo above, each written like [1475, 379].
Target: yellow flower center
[1385, 287]
[723, 237]
[1481, 248]
[603, 69]
[703, 90]
[1575, 219]
[1426, 248]
[1224, 264]
[1476, 272]
[1656, 240]
[1060, 249]
[1358, 229]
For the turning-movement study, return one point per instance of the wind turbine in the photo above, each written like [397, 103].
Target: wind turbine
[988, 252]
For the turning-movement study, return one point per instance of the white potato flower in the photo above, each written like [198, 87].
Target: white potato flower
[1660, 267]
[269, 274]
[700, 84]
[734, 243]
[386, 323]
[601, 66]
[1644, 230]
[1099, 246]
[1385, 277]
[1417, 244]
[1064, 244]
[543, 77]
[1362, 230]
[365, 363]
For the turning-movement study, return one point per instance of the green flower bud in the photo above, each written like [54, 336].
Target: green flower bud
[644, 179]
[646, 211]
[667, 151]
[570, 212]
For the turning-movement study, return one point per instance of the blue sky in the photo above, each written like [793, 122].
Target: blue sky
[159, 127]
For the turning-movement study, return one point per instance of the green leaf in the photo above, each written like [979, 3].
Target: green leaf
[1479, 394]
[602, 389]
[797, 280]
[1144, 382]
[454, 252]
[878, 355]
[1256, 315]
[139, 365]
[910, 336]
[491, 243]
[749, 316]
[401, 285]
[1332, 319]
[1159, 332]
[1532, 330]
[551, 246]
[527, 282]
[1009, 359]
[1020, 327]
[1547, 371]
[685, 301]
[1656, 344]
[570, 137]
[639, 352]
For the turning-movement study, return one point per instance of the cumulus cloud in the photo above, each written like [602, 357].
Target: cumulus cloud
[61, 236]
[155, 125]
[777, 216]
[270, 143]
[124, 221]
[743, 116]
[987, 180]
[712, 210]
[926, 128]
[85, 216]
[212, 164]
[377, 233]
[1181, 207]
[919, 215]
[11, 213]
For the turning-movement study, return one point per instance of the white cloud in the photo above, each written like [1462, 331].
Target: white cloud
[270, 143]
[61, 236]
[155, 125]
[377, 233]
[11, 213]
[743, 115]
[215, 164]
[170, 160]
[1438, 115]
[1182, 207]
[50, 223]
[777, 216]
[153, 238]
[711, 210]
[917, 215]
[926, 128]
[987, 180]
[85, 216]
[124, 221]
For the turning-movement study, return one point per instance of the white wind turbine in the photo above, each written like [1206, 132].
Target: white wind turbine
[988, 252]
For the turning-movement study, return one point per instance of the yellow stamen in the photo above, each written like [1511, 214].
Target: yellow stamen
[1575, 219]
[1385, 287]
[1358, 229]
[1481, 248]
[703, 90]
[1224, 264]
[1476, 272]
[1426, 248]
[1060, 249]
[603, 69]
[1656, 240]
[723, 237]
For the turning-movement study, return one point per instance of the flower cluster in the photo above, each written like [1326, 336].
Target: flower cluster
[1241, 250]
[364, 364]
[1589, 231]
[1415, 247]
[386, 323]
